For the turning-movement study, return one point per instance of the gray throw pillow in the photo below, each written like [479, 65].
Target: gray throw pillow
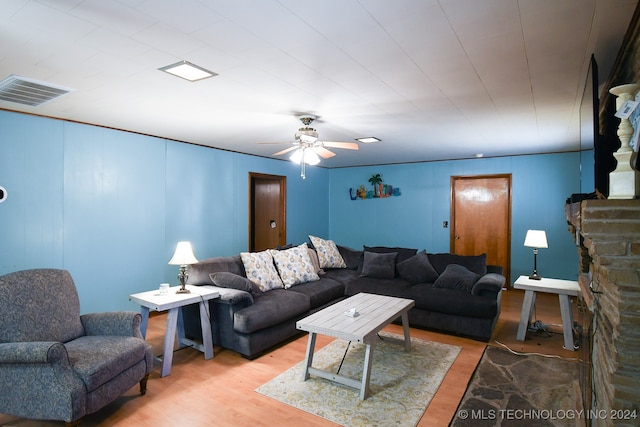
[200, 273]
[225, 279]
[417, 269]
[457, 277]
[352, 257]
[403, 253]
[379, 266]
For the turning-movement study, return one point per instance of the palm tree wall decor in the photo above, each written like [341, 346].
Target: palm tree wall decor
[375, 180]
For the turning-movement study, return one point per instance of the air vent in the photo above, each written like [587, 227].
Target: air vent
[29, 92]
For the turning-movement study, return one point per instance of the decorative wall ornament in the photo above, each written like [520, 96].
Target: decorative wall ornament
[624, 181]
[380, 190]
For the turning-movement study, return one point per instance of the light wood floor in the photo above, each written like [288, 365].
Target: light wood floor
[220, 392]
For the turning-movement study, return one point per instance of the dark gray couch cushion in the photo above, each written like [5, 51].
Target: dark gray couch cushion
[224, 279]
[199, 272]
[273, 307]
[457, 277]
[320, 292]
[417, 269]
[443, 300]
[341, 275]
[379, 265]
[475, 263]
[392, 287]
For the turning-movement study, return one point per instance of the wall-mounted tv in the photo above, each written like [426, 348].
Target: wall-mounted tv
[590, 137]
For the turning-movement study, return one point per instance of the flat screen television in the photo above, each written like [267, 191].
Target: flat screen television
[589, 125]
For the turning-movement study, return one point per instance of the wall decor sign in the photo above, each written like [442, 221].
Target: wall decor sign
[380, 190]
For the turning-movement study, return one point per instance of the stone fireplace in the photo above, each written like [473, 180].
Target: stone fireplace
[607, 234]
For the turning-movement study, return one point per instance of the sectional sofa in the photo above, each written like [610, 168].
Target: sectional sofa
[263, 294]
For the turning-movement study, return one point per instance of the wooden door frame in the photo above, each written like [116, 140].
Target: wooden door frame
[452, 233]
[253, 176]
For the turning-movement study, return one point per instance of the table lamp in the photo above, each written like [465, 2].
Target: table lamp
[535, 239]
[183, 256]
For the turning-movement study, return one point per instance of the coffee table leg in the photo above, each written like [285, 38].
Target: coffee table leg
[407, 335]
[366, 372]
[311, 344]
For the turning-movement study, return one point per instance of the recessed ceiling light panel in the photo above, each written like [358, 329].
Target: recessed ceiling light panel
[188, 71]
[29, 91]
[368, 139]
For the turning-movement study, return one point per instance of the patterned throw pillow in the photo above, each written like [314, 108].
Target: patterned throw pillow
[294, 266]
[260, 269]
[328, 253]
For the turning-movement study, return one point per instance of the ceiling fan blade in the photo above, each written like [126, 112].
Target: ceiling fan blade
[323, 152]
[308, 139]
[286, 150]
[346, 145]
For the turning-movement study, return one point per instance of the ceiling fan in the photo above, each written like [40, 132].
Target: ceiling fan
[308, 148]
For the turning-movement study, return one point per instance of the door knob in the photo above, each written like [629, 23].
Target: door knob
[457, 237]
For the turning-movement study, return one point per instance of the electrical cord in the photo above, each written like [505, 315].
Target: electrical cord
[517, 353]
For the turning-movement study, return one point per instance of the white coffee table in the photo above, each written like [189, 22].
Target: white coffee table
[564, 289]
[154, 300]
[375, 312]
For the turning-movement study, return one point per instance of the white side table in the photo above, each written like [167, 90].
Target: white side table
[564, 289]
[154, 300]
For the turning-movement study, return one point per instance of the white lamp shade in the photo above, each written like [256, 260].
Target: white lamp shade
[536, 239]
[183, 255]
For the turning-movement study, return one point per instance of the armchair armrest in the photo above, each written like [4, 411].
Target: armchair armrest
[124, 323]
[488, 285]
[39, 352]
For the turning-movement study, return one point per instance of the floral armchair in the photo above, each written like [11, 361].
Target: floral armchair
[56, 364]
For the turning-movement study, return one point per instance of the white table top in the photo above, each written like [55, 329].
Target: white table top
[156, 301]
[375, 312]
[551, 286]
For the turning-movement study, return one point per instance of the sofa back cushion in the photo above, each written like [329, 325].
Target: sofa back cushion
[39, 305]
[199, 273]
[475, 263]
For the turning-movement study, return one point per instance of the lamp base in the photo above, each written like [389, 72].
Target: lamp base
[534, 276]
[183, 291]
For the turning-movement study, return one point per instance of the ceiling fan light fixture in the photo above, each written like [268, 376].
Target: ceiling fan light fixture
[368, 139]
[188, 71]
[308, 156]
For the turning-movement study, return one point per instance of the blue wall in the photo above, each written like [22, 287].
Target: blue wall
[540, 186]
[110, 206]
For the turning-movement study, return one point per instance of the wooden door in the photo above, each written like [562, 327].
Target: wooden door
[481, 218]
[267, 211]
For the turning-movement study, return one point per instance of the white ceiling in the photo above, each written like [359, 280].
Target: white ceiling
[434, 79]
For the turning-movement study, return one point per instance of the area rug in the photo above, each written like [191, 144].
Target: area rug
[402, 384]
[510, 389]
